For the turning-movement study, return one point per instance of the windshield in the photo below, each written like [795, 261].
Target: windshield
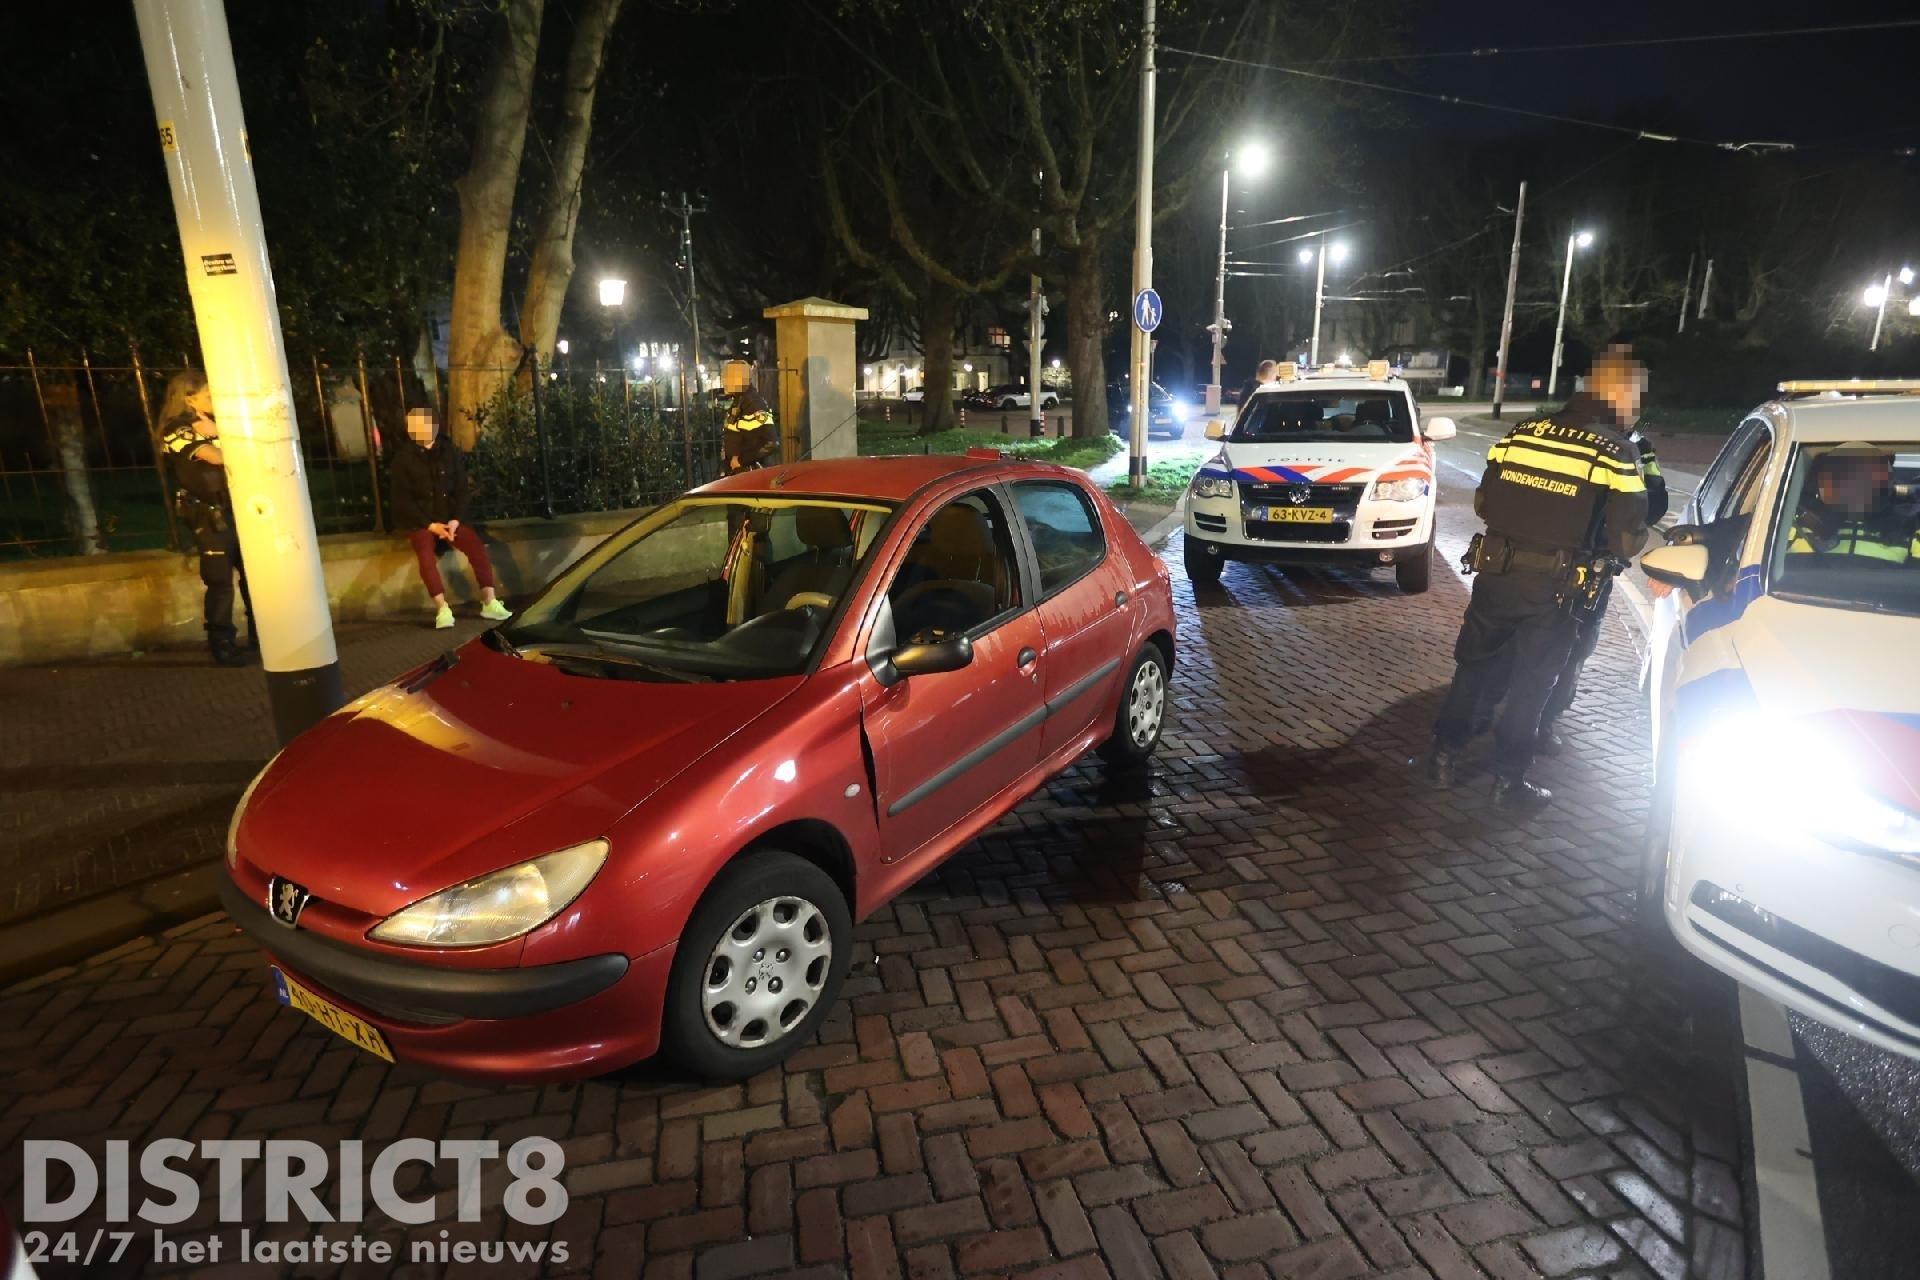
[1324, 417]
[1850, 529]
[704, 589]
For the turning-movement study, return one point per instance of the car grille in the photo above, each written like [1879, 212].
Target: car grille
[1343, 498]
[1274, 531]
[1212, 524]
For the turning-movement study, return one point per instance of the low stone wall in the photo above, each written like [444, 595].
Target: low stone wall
[92, 606]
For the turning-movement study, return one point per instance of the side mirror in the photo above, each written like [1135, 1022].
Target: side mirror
[1686, 535]
[1216, 430]
[1440, 429]
[1679, 566]
[925, 660]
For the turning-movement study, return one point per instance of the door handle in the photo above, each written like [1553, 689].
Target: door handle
[1027, 658]
[1119, 599]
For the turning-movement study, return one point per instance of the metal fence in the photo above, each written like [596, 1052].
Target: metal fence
[81, 471]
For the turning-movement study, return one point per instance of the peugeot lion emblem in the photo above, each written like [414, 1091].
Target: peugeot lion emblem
[286, 900]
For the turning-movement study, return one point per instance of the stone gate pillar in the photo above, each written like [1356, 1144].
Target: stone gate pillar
[813, 346]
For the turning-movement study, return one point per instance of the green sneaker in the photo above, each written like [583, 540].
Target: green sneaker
[495, 611]
[443, 620]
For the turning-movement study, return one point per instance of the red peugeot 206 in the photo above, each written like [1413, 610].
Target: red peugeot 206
[645, 814]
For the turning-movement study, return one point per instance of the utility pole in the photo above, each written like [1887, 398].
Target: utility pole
[1506, 313]
[203, 141]
[1036, 331]
[1880, 314]
[1578, 240]
[685, 210]
[1220, 298]
[1140, 389]
[1706, 284]
[1319, 302]
[1686, 293]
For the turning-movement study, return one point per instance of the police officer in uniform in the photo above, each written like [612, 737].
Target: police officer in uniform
[1562, 497]
[189, 437]
[1848, 508]
[748, 438]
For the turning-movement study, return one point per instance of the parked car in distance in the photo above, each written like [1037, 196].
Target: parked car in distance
[647, 813]
[1168, 414]
[1012, 396]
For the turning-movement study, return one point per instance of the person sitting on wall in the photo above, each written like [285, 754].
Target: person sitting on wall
[430, 495]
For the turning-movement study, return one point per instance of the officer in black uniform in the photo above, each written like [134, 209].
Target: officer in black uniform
[189, 437]
[748, 438]
[1562, 496]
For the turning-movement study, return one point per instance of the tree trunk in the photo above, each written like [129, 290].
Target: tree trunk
[940, 314]
[481, 355]
[70, 449]
[551, 270]
[1086, 340]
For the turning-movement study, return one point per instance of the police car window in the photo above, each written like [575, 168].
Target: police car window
[1067, 540]
[1745, 493]
[1849, 529]
[1726, 469]
[1324, 417]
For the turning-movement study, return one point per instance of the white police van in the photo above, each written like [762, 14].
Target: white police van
[1783, 840]
[1332, 466]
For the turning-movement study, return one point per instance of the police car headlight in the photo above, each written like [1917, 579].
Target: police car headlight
[499, 906]
[1408, 490]
[1205, 486]
[1758, 773]
[233, 823]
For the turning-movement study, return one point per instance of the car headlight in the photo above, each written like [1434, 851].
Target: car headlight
[1755, 771]
[1411, 489]
[1178, 410]
[498, 906]
[1206, 486]
[233, 823]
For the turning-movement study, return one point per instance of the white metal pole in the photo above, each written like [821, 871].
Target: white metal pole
[1319, 301]
[1880, 316]
[1686, 294]
[1706, 286]
[1506, 314]
[1560, 325]
[203, 141]
[1036, 413]
[1220, 298]
[1142, 258]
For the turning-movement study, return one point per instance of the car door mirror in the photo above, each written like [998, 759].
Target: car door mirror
[1440, 429]
[1679, 566]
[925, 659]
[1686, 535]
[1216, 430]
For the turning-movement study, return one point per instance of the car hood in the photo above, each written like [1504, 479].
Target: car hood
[1355, 463]
[453, 772]
[1848, 672]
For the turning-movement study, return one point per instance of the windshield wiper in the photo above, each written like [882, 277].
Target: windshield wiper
[495, 638]
[594, 653]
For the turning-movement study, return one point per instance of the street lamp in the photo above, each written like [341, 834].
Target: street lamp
[1253, 159]
[1877, 296]
[1578, 240]
[613, 292]
[1339, 252]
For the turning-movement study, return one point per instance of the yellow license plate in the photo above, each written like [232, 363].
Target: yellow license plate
[331, 1016]
[1292, 515]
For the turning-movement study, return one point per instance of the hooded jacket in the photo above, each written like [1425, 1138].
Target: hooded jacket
[429, 484]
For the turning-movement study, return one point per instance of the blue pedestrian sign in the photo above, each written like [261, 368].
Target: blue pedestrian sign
[1147, 310]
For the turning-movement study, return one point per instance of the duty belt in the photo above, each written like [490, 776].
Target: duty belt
[1496, 553]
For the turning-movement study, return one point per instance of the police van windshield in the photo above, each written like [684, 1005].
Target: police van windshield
[1849, 532]
[1324, 417]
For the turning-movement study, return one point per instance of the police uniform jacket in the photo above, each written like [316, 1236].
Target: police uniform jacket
[180, 440]
[1567, 483]
[429, 485]
[749, 436]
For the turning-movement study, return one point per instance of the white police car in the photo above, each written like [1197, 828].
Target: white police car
[1332, 467]
[1783, 841]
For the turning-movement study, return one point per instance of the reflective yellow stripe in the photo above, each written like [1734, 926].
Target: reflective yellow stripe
[1570, 447]
[1623, 481]
[1519, 454]
[1851, 542]
[1650, 466]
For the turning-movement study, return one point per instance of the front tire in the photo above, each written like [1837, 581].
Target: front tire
[1143, 710]
[759, 965]
[1415, 575]
[1203, 567]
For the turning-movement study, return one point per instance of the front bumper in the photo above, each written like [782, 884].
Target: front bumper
[1831, 933]
[1371, 532]
[525, 1024]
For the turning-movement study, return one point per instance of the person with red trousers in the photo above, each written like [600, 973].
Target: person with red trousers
[429, 505]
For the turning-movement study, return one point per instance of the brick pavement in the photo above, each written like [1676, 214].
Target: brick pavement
[1276, 1010]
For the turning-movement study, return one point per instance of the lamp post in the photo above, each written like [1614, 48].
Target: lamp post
[1253, 158]
[1578, 240]
[613, 295]
[1876, 297]
[1339, 251]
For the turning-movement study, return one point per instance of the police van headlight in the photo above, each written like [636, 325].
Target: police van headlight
[1759, 773]
[1206, 486]
[1411, 489]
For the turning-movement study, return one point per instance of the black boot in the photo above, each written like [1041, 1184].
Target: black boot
[1515, 793]
[225, 652]
[1440, 763]
[1549, 743]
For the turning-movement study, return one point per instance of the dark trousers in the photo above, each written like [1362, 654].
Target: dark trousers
[1586, 640]
[1508, 610]
[220, 566]
[426, 549]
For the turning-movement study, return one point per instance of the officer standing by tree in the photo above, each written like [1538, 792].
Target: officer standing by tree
[189, 436]
[1563, 496]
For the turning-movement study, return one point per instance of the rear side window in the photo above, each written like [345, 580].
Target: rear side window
[1066, 533]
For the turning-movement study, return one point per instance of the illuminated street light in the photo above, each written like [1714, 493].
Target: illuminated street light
[1338, 252]
[1252, 159]
[1578, 240]
[561, 346]
[1913, 306]
[1875, 295]
[1306, 255]
[1906, 275]
[1056, 362]
[613, 292]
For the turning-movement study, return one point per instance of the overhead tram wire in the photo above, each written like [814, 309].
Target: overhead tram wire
[1852, 28]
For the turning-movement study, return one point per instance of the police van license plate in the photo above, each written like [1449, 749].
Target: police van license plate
[331, 1016]
[1292, 515]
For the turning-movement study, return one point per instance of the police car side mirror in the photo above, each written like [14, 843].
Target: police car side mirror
[1216, 431]
[1440, 429]
[1684, 566]
[1686, 535]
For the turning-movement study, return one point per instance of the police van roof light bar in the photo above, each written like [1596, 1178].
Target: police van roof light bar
[1851, 386]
